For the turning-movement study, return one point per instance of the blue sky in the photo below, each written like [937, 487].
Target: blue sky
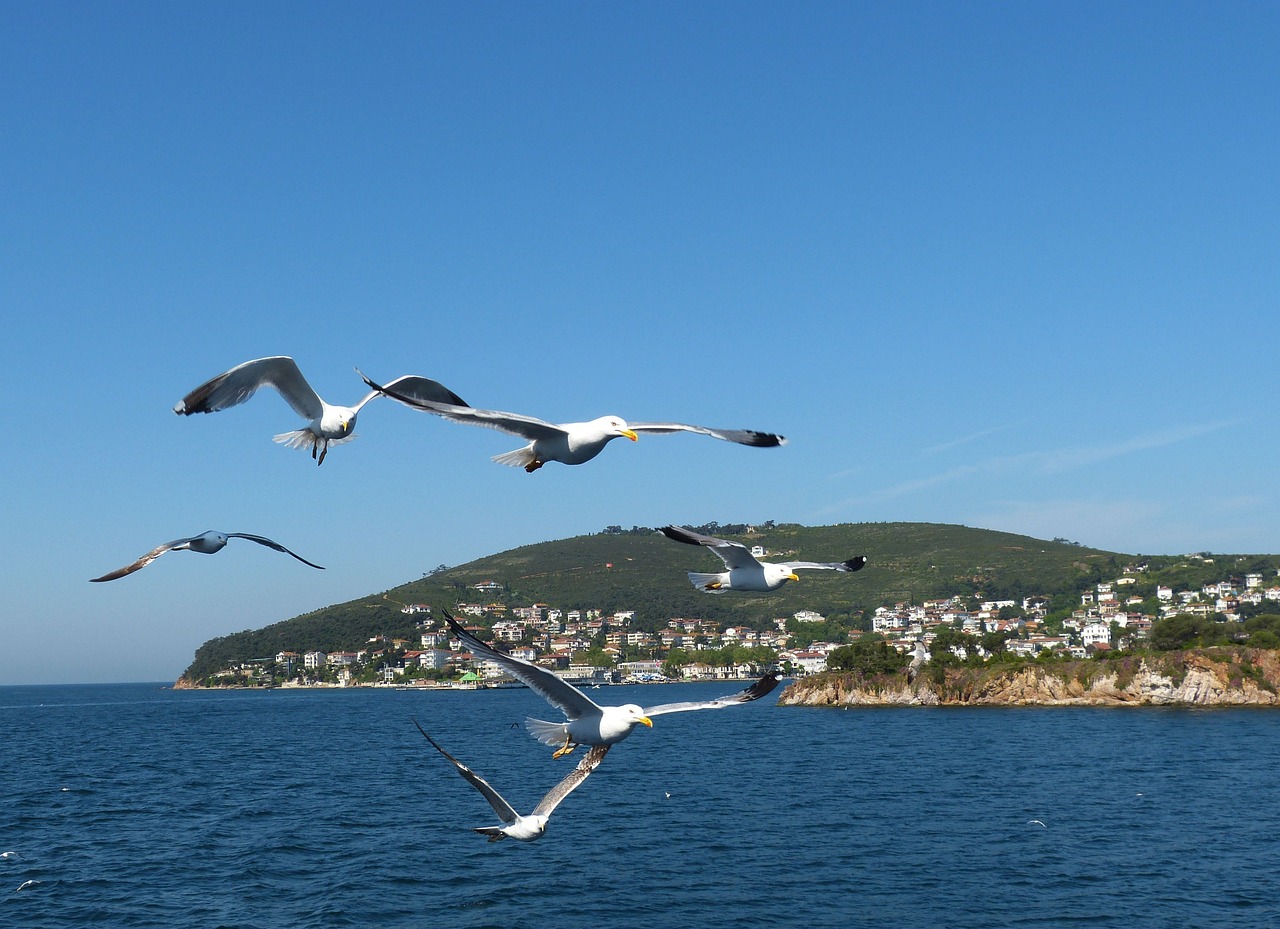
[1006, 265]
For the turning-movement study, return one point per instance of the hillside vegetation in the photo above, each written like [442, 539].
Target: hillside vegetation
[641, 570]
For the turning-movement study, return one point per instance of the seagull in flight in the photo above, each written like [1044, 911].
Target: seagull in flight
[206, 543]
[586, 722]
[326, 424]
[745, 572]
[524, 828]
[567, 443]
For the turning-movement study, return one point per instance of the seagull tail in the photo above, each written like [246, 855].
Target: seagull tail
[493, 832]
[305, 438]
[704, 581]
[520, 458]
[547, 733]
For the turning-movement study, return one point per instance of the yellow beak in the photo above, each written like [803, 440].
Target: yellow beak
[646, 720]
[630, 435]
[793, 576]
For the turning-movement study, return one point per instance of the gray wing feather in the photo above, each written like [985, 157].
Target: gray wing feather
[500, 805]
[567, 698]
[526, 427]
[263, 540]
[853, 564]
[411, 387]
[733, 554]
[242, 382]
[754, 692]
[741, 436]
[143, 561]
[589, 763]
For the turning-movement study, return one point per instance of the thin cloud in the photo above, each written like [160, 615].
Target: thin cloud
[963, 440]
[1037, 462]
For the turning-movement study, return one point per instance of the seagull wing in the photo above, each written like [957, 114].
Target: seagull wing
[735, 555]
[500, 806]
[263, 540]
[527, 427]
[144, 560]
[411, 387]
[242, 382]
[590, 761]
[754, 692]
[853, 564]
[569, 699]
[741, 436]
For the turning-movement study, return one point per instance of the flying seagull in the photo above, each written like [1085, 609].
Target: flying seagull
[586, 722]
[524, 828]
[326, 424]
[567, 443]
[206, 543]
[745, 572]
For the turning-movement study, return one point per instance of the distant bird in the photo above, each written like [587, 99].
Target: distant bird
[8, 855]
[586, 722]
[206, 543]
[25, 884]
[745, 571]
[524, 828]
[326, 424]
[1036, 822]
[567, 443]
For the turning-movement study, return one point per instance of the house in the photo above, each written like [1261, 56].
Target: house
[313, 661]
[1096, 633]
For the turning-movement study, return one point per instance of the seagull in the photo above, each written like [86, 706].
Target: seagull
[1036, 822]
[745, 572]
[326, 424]
[206, 543]
[918, 659]
[586, 722]
[524, 828]
[567, 443]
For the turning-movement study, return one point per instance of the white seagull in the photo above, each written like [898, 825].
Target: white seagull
[586, 722]
[524, 828]
[206, 543]
[567, 443]
[745, 571]
[326, 424]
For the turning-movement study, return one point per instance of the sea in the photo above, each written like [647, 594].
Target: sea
[136, 805]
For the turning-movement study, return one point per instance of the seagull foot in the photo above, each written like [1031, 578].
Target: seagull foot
[563, 750]
[324, 451]
[714, 585]
[533, 466]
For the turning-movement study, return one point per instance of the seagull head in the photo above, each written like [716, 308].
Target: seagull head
[617, 426]
[636, 715]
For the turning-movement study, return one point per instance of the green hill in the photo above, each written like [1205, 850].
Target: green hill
[643, 571]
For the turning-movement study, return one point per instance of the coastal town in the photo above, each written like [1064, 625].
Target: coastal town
[588, 647]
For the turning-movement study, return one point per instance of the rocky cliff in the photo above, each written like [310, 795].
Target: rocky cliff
[1204, 677]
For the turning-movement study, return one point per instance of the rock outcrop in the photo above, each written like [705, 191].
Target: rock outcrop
[1204, 677]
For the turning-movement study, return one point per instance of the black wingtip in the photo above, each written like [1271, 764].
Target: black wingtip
[678, 535]
[762, 687]
[857, 563]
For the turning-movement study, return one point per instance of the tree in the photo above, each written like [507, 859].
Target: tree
[867, 657]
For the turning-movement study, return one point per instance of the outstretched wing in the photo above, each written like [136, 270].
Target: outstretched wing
[263, 540]
[754, 692]
[527, 427]
[569, 699]
[590, 761]
[144, 560]
[853, 564]
[734, 554]
[242, 382]
[741, 436]
[500, 806]
[411, 387]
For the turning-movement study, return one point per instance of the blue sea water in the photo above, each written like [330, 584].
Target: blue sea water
[139, 806]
